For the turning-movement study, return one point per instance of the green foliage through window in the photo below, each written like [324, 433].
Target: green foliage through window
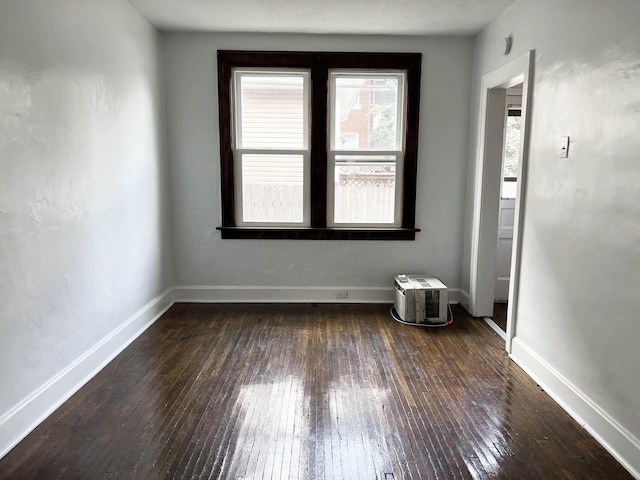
[512, 147]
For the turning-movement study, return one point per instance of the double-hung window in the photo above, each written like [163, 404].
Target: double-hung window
[318, 145]
[271, 153]
[365, 156]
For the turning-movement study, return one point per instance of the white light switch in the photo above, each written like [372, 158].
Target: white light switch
[564, 147]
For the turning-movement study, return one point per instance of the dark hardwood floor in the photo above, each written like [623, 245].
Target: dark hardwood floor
[309, 392]
[500, 315]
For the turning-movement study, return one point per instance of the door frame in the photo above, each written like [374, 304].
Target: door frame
[487, 196]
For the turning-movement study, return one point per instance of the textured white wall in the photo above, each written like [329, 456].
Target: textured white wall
[580, 278]
[84, 233]
[202, 258]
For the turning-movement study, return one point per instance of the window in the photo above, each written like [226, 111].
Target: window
[511, 154]
[318, 145]
[363, 186]
[271, 147]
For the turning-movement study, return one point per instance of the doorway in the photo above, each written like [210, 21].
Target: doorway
[495, 242]
[506, 209]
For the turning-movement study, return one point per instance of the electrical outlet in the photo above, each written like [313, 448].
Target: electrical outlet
[564, 147]
[342, 294]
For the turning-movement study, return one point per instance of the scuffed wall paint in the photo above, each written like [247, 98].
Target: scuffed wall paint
[84, 237]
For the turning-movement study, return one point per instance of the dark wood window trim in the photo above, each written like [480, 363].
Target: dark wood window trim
[319, 64]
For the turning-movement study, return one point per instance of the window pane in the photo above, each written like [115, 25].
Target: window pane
[512, 147]
[272, 188]
[366, 113]
[272, 111]
[365, 189]
[509, 189]
[511, 156]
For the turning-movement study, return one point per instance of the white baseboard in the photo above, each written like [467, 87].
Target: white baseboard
[494, 326]
[464, 299]
[276, 294]
[18, 422]
[455, 295]
[620, 443]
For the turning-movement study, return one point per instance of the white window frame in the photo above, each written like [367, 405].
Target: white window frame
[238, 152]
[334, 149]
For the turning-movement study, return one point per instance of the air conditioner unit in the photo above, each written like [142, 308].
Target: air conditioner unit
[420, 300]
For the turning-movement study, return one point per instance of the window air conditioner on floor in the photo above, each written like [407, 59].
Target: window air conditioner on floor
[420, 300]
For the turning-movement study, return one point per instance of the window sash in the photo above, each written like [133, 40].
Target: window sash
[397, 197]
[333, 126]
[239, 152]
[336, 151]
[236, 109]
[239, 187]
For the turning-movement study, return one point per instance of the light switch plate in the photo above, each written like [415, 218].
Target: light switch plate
[564, 147]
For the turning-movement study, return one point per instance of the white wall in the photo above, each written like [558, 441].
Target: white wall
[577, 315]
[84, 233]
[202, 258]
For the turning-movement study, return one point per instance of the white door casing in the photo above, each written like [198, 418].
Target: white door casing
[487, 193]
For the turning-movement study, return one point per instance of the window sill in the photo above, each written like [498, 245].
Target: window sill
[279, 233]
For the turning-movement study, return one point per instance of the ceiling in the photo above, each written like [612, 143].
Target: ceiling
[399, 17]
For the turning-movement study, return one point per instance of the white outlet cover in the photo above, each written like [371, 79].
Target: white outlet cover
[564, 147]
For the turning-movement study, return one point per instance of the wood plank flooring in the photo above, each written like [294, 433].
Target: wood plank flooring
[309, 392]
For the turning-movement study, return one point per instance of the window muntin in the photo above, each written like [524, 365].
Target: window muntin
[317, 172]
[271, 153]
